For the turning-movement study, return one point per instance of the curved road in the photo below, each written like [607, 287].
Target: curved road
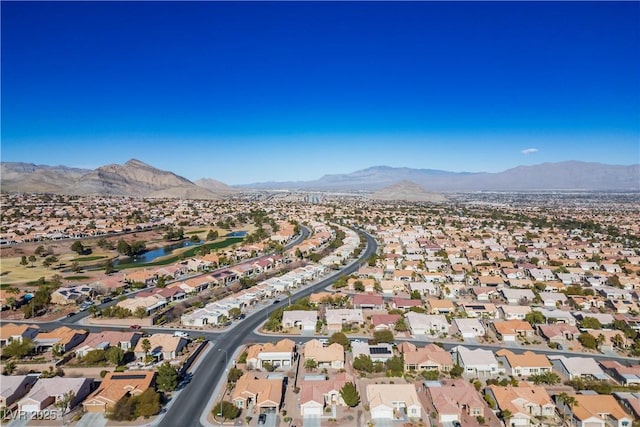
[193, 400]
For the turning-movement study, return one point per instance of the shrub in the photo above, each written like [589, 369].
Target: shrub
[228, 410]
[103, 373]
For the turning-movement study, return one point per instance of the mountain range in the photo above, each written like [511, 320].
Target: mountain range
[560, 176]
[133, 179]
[138, 179]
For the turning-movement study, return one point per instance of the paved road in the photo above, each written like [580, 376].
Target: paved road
[193, 401]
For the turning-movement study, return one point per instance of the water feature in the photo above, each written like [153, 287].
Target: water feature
[236, 234]
[152, 254]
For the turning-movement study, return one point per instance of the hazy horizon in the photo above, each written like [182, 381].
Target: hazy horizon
[255, 92]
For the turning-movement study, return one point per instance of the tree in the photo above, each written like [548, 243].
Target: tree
[23, 261]
[505, 415]
[146, 346]
[39, 250]
[416, 295]
[123, 410]
[234, 313]
[341, 339]
[569, 401]
[310, 364]
[548, 377]
[363, 363]
[395, 366]
[18, 349]
[78, 247]
[350, 394]
[212, 235]
[384, 336]
[140, 312]
[108, 267]
[590, 323]
[234, 375]
[147, 403]
[401, 325]
[123, 247]
[617, 341]
[9, 368]
[167, 377]
[161, 282]
[32, 259]
[65, 401]
[587, 340]
[534, 318]
[94, 357]
[115, 355]
[456, 371]
[358, 286]
[227, 410]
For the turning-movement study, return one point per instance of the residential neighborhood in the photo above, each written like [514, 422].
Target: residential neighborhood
[440, 317]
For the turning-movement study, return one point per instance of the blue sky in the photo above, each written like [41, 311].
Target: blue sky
[247, 92]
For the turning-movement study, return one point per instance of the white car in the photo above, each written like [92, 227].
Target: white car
[181, 334]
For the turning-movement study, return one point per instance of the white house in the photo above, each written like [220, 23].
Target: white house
[468, 328]
[478, 362]
[427, 324]
[393, 401]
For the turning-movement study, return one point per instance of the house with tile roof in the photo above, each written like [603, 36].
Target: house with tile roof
[510, 330]
[280, 354]
[370, 302]
[114, 386]
[62, 338]
[625, 375]
[560, 333]
[597, 410]
[316, 395]
[523, 402]
[163, 346]
[47, 391]
[103, 340]
[453, 398]
[265, 394]
[331, 356]
[525, 364]
[428, 358]
[339, 317]
[300, 319]
[383, 322]
[393, 401]
[10, 332]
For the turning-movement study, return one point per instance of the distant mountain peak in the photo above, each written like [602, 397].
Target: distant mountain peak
[408, 191]
[137, 163]
[133, 179]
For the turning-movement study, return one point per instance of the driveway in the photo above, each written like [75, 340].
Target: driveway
[311, 421]
[271, 420]
[92, 419]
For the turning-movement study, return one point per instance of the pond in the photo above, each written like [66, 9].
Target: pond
[236, 234]
[151, 255]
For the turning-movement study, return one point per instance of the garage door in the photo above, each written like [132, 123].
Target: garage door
[448, 418]
[311, 411]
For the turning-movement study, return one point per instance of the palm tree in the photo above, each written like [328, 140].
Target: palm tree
[310, 364]
[146, 346]
[617, 341]
[506, 415]
[569, 401]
